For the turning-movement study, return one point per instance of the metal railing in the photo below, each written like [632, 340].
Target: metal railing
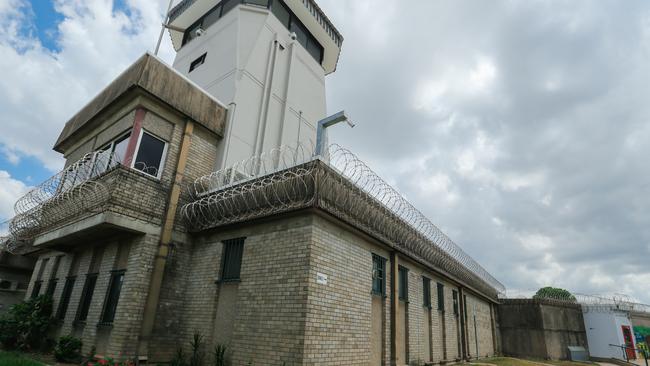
[625, 348]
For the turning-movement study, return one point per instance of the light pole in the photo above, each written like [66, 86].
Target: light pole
[324, 123]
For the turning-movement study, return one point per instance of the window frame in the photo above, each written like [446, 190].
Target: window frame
[440, 291]
[109, 303]
[84, 305]
[403, 283]
[382, 280]
[197, 62]
[227, 244]
[163, 159]
[64, 301]
[426, 292]
[454, 296]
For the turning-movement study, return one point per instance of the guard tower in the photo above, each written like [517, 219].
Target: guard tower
[265, 59]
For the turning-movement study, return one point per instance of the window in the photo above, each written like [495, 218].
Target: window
[113, 296]
[211, 17]
[86, 297]
[454, 295]
[65, 297]
[301, 32]
[441, 296]
[232, 256]
[403, 275]
[281, 12]
[228, 5]
[37, 288]
[264, 3]
[51, 285]
[378, 275]
[150, 156]
[198, 62]
[426, 292]
[39, 278]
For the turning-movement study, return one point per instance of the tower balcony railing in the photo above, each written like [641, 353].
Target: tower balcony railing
[98, 182]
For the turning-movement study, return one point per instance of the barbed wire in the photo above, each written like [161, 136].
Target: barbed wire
[292, 177]
[589, 303]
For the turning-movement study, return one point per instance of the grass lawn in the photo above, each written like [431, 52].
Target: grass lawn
[507, 361]
[15, 359]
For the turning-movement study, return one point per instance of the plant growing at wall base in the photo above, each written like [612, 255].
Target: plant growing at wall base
[554, 293]
[179, 358]
[26, 325]
[197, 356]
[68, 349]
[220, 355]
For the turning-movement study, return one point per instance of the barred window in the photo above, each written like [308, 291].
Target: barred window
[441, 297]
[37, 288]
[403, 275]
[454, 295]
[378, 275]
[51, 285]
[114, 289]
[65, 297]
[426, 292]
[86, 297]
[231, 260]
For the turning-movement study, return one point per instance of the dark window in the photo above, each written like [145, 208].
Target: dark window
[113, 296]
[378, 275]
[86, 297]
[198, 62]
[426, 292]
[403, 275]
[465, 306]
[37, 288]
[65, 298]
[232, 256]
[212, 17]
[441, 297]
[264, 3]
[301, 32]
[228, 5]
[150, 155]
[315, 49]
[281, 12]
[51, 286]
[454, 295]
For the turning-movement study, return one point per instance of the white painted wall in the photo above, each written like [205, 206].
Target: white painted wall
[278, 89]
[604, 328]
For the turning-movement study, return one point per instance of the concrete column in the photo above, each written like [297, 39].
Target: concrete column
[394, 310]
[463, 323]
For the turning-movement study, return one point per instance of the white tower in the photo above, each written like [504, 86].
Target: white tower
[266, 59]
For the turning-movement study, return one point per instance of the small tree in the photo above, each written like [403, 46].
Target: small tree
[554, 293]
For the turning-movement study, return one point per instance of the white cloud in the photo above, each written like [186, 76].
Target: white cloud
[43, 89]
[10, 190]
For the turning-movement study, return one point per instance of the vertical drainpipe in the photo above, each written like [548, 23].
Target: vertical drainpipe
[160, 260]
[463, 330]
[291, 47]
[494, 331]
[394, 308]
[266, 98]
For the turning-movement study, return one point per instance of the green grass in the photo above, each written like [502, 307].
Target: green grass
[15, 359]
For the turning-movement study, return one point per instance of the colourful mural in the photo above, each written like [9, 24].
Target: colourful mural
[642, 335]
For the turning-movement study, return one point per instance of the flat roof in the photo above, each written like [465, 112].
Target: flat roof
[158, 79]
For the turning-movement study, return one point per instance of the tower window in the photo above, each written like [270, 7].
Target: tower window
[233, 250]
[454, 295]
[378, 275]
[198, 62]
[403, 278]
[150, 158]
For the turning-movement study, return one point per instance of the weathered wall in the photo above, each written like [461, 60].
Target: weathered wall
[540, 328]
[640, 319]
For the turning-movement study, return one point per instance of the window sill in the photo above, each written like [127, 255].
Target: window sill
[377, 294]
[105, 325]
[79, 323]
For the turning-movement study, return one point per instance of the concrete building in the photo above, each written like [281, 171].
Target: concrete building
[154, 231]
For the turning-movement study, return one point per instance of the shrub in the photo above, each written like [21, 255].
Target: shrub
[26, 325]
[68, 349]
[196, 358]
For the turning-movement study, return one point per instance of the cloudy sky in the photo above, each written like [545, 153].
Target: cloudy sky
[522, 129]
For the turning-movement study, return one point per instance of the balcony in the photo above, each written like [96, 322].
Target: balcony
[98, 194]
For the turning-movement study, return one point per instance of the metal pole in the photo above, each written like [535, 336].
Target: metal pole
[325, 123]
[162, 28]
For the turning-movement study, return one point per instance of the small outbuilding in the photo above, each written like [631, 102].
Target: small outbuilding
[609, 331]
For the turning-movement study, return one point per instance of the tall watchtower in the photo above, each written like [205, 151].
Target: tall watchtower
[266, 59]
